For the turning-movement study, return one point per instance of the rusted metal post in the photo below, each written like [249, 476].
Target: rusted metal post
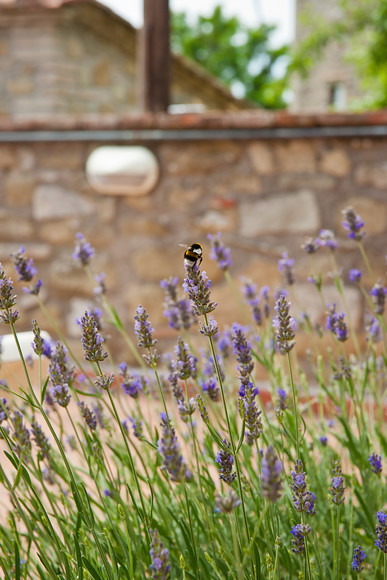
[154, 56]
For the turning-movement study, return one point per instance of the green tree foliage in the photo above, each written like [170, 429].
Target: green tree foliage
[236, 54]
[362, 31]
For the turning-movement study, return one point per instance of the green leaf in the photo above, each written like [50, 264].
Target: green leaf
[89, 566]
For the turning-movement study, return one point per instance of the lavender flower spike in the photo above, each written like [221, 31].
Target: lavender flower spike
[381, 532]
[353, 224]
[160, 566]
[143, 328]
[24, 267]
[376, 463]
[91, 339]
[378, 293]
[271, 483]
[299, 532]
[173, 461]
[359, 556]
[226, 462]
[83, 251]
[219, 252]
[303, 499]
[337, 486]
[197, 285]
[285, 265]
[284, 326]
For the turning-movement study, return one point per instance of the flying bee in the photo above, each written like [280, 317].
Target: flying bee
[193, 255]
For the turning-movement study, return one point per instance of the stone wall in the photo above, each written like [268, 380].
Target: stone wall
[266, 195]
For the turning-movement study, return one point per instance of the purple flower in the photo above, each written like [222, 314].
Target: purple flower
[61, 395]
[242, 349]
[323, 440]
[282, 401]
[210, 329]
[284, 326]
[310, 246]
[326, 239]
[40, 439]
[354, 275]
[83, 251]
[132, 384]
[336, 324]
[197, 285]
[381, 532]
[353, 224]
[358, 558]
[23, 266]
[7, 300]
[265, 294]
[58, 368]
[248, 411]
[136, 426]
[337, 483]
[173, 461]
[226, 462]
[250, 293]
[186, 362]
[104, 381]
[374, 330]
[271, 483]
[378, 293]
[228, 503]
[285, 265]
[21, 442]
[178, 312]
[143, 328]
[298, 541]
[219, 253]
[303, 499]
[375, 463]
[160, 566]
[88, 415]
[91, 339]
[100, 289]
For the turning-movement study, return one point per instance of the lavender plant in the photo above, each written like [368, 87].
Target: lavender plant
[222, 483]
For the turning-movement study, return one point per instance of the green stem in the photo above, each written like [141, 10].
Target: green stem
[295, 406]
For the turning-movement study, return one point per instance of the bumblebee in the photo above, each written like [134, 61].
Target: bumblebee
[193, 255]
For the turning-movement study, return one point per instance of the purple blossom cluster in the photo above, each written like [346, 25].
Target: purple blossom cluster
[173, 461]
[253, 300]
[91, 339]
[284, 326]
[381, 532]
[40, 439]
[132, 383]
[178, 312]
[7, 300]
[271, 470]
[83, 252]
[326, 239]
[335, 323]
[197, 285]
[359, 556]
[337, 484]
[26, 270]
[375, 461]
[247, 391]
[143, 328]
[378, 293]
[88, 415]
[299, 532]
[353, 224]
[303, 499]
[285, 265]
[219, 252]
[160, 566]
[226, 463]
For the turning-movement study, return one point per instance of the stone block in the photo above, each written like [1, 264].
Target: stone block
[152, 265]
[53, 202]
[151, 297]
[313, 182]
[374, 174]
[199, 158]
[18, 188]
[60, 232]
[8, 158]
[335, 162]
[16, 227]
[296, 213]
[102, 74]
[222, 221]
[296, 157]
[261, 157]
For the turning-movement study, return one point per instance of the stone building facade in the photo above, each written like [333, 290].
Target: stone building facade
[265, 180]
[332, 82]
[77, 57]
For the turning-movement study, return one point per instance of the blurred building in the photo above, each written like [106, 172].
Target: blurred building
[78, 57]
[332, 83]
